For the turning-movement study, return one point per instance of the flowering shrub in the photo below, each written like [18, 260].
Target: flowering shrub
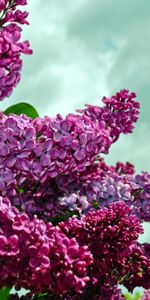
[69, 224]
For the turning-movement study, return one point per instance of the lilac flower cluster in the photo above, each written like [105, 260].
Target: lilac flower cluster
[38, 256]
[81, 192]
[46, 148]
[50, 169]
[146, 295]
[89, 255]
[11, 47]
[110, 234]
[102, 185]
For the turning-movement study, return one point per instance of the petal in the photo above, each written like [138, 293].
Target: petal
[13, 241]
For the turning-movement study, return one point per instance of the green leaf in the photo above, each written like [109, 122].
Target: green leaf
[22, 108]
[40, 296]
[135, 296]
[4, 292]
[61, 218]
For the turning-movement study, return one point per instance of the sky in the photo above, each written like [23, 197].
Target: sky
[84, 50]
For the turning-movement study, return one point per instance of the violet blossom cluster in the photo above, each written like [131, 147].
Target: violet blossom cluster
[41, 150]
[81, 192]
[11, 47]
[106, 185]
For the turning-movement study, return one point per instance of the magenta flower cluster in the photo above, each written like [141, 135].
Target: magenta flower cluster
[71, 257]
[11, 47]
[39, 256]
[146, 295]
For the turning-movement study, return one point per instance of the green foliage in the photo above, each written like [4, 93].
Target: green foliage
[40, 296]
[22, 108]
[62, 218]
[130, 296]
[4, 292]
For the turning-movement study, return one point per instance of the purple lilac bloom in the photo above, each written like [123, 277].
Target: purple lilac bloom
[11, 47]
[45, 148]
[105, 185]
[80, 192]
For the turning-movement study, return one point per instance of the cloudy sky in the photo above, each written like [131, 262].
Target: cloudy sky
[83, 50]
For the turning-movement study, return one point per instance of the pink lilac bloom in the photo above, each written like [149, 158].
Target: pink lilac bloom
[10, 13]
[38, 256]
[146, 295]
[90, 255]
[11, 46]
[87, 255]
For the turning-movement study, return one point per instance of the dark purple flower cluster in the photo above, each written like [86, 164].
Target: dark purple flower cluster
[110, 234]
[11, 47]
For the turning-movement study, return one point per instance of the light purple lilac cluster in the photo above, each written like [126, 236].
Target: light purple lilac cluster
[78, 193]
[109, 186]
[11, 47]
[45, 148]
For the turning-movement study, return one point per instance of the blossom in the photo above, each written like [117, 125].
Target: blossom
[51, 170]
[38, 256]
[11, 47]
[10, 61]
[110, 234]
[146, 295]
[8, 246]
[45, 148]
[90, 255]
